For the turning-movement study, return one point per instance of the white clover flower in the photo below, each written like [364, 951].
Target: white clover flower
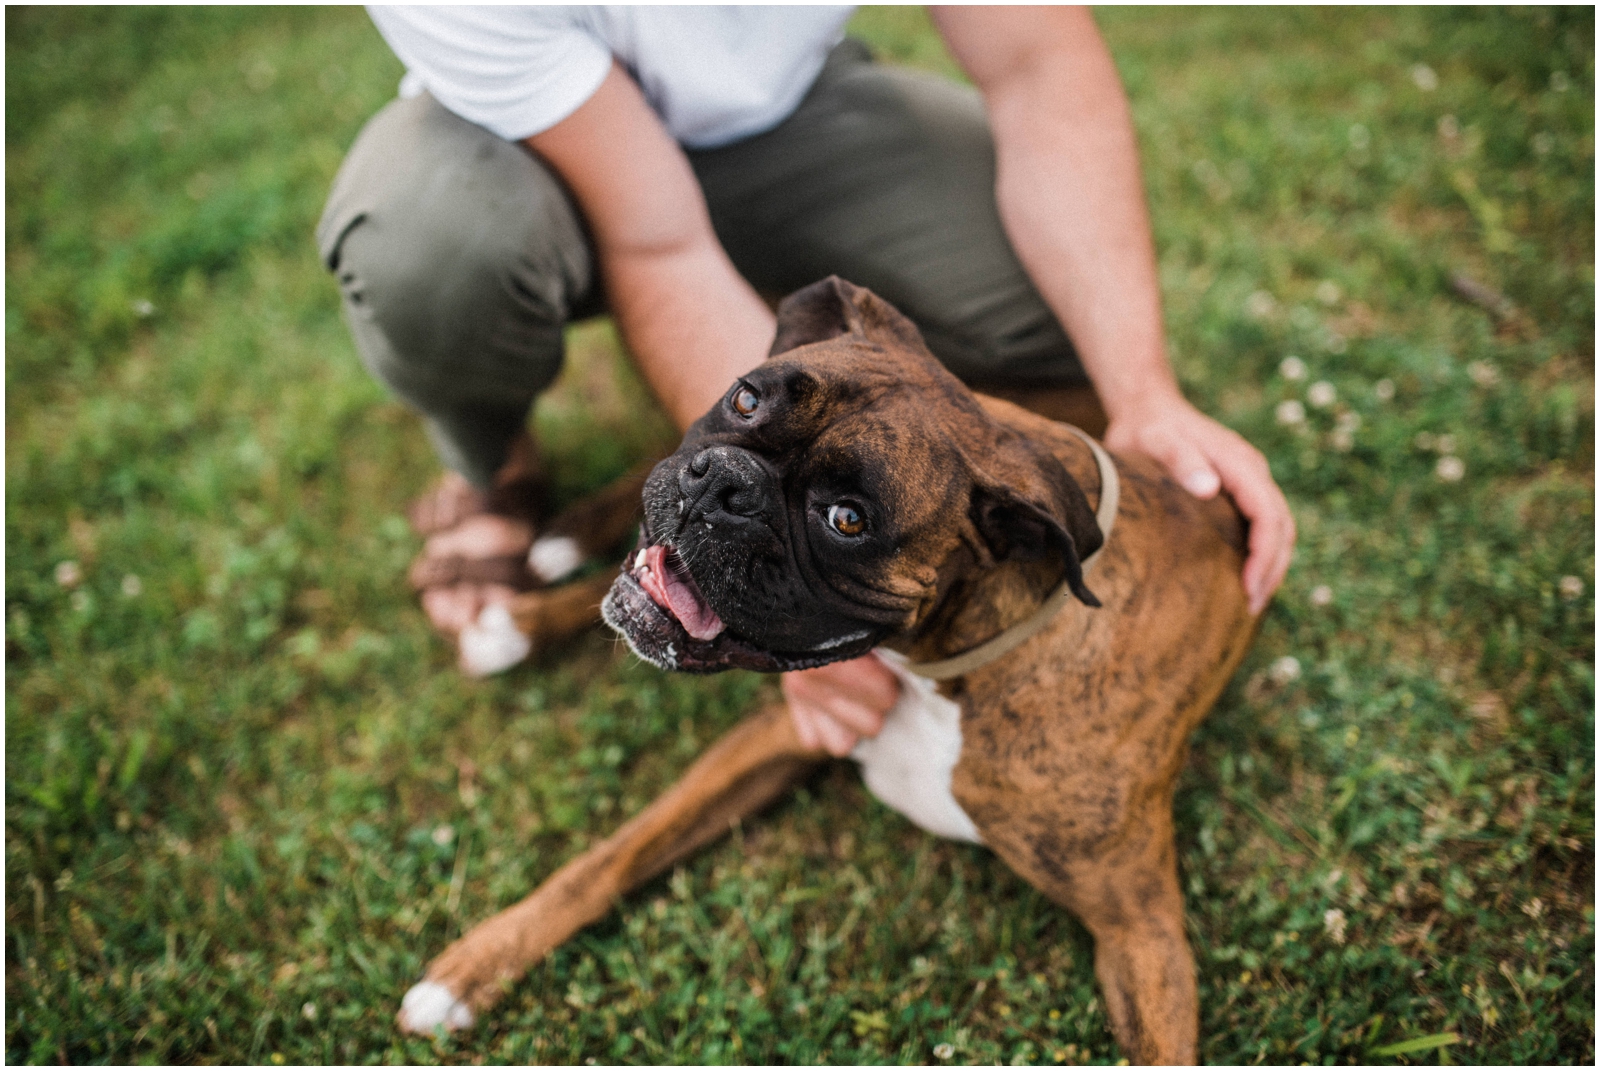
[1445, 444]
[1571, 587]
[444, 835]
[1450, 468]
[1292, 368]
[260, 75]
[1343, 440]
[1328, 292]
[1321, 595]
[132, 586]
[309, 1010]
[1321, 394]
[1449, 127]
[68, 575]
[1424, 440]
[1383, 390]
[1483, 373]
[1349, 420]
[1284, 670]
[1424, 77]
[1259, 304]
[1290, 413]
[944, 1050]
[142, 308]
[1334, 922]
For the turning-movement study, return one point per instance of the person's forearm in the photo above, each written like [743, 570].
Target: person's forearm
[1090, 252]
[1072, 203]
[692, 323]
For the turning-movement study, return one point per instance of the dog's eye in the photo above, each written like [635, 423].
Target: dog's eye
[745, 401]
[846, 520]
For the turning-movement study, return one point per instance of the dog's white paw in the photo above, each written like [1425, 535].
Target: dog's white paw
[429, 1005]
[555, 557]
[492, 643]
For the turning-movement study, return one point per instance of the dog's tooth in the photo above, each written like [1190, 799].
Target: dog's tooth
[682, 505]
[638, 563]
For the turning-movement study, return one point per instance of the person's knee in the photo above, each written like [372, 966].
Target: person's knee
[454, 246]
[462, 325]
[441, 281]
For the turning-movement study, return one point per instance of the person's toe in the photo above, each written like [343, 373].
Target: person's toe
[445, 504]
[451, 609]
[483, 535]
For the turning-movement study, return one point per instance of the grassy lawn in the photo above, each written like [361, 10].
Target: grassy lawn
[248, 796]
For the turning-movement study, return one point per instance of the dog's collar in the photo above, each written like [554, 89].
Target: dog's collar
[1010, 639]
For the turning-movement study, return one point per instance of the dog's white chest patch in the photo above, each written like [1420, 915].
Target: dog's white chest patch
[908, 765]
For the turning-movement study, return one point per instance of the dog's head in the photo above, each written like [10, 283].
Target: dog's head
[810, 515]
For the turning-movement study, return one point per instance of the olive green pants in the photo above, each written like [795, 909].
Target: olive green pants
[461, 257]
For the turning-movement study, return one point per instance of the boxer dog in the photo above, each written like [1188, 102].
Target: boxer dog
[1060, 622]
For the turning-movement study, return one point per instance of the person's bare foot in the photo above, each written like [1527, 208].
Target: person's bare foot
[451, 500]
[482, 536]
[472, 536]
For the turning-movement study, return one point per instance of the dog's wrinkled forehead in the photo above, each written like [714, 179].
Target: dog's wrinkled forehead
[886, 424]
[844, 388]
[851, 415]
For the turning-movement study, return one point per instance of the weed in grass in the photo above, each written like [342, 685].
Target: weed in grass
[247, 795]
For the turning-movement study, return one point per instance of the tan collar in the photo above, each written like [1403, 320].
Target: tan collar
[1010, 639]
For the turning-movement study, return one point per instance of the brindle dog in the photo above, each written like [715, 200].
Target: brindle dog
[852, 495]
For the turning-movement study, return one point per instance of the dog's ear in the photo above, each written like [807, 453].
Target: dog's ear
[1028, 508]
[834, 308]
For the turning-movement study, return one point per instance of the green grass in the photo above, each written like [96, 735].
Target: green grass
[247, 796]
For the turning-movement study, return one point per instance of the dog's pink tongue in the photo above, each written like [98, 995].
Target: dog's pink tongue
[668, 590]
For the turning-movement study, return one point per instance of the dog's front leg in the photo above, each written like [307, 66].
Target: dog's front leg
[748, 768]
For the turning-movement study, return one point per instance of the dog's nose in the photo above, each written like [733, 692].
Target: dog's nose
[726, 480]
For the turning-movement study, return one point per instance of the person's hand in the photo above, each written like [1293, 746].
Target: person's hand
[1205, 457]
[833, 706]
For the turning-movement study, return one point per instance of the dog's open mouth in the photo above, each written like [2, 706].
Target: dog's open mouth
[660, 610]
[663, 576]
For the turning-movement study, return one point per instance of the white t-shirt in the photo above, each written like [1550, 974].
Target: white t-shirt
[713, 74]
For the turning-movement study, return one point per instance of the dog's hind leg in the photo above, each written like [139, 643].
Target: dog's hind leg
[590, 529]
[748, 768]
[505, 634]
[1142, 957]
[1125, 891]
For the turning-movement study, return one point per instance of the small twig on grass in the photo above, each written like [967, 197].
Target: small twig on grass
[414, 927]
[106, 870]
[38, 904]
[260, 1036]
[459, 878]
[1485, 297]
